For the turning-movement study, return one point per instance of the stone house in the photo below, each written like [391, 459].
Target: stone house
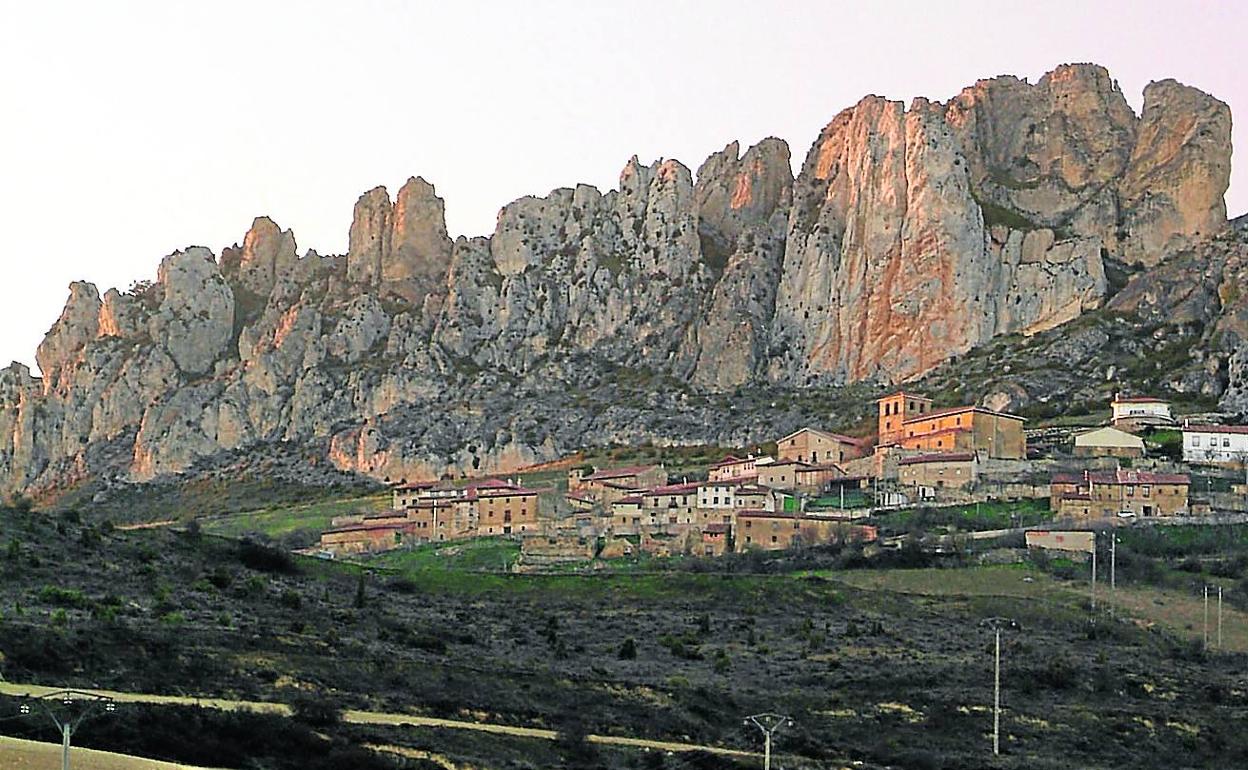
[813, 446]
[778, 530]
[613, 483]
[929, 473]
[989, 433]
[362, 538]
[732, 468]
[406, 493]
[670, 505]
[817, 478]
[782, 474]
[715, 539]
[894, 409]
[1106, 494]
[720, 494]
[505, 510]
[626, 515]
[1108, 442]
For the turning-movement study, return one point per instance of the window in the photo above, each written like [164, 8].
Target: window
[1195, 440]
[773, 538]
[1146, 490]
[1226, 442]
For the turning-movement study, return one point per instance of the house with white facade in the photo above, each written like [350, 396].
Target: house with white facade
[1134, 412]
[1215, 443]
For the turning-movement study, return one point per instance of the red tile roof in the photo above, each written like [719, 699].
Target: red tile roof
[508, 491]
[1121, 476]
[1140, 400]
[630, 500]
[938, 457]
[364, 528]
[1215, 429]
[715, 528]
[616, 473]
[731, 460]
[734, 481]
[956, 409]
[673, 489]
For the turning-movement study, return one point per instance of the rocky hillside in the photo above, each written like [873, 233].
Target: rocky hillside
[908, 238]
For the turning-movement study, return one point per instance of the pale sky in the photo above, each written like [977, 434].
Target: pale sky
[129, 130]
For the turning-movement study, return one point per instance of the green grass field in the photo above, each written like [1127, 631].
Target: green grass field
[490, 554]
[303, 519]
[969, 518]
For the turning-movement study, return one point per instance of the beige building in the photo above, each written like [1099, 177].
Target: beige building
[612, 483]
[816, 447]
[1135, 412]
[1071, 542]
[777, 530]
[1106, 494]
[781, 474]
[670, 505]
[1108, 442]
[942, 470]
[732, 468]
[626, 515]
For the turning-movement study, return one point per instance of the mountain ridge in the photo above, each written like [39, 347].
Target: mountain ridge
[908, 237]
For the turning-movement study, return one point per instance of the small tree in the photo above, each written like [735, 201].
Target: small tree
[628, 650]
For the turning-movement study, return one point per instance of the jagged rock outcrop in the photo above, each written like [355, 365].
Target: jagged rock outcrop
[1173, 190]
[907, 237]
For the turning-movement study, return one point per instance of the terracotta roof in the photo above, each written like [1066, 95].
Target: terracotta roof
[616, 473]
[758, 513]
[582, 498]
[1140, 400]
[956, 409]
[734, 481]
[824, 467]
[938, 457]
[715, 528]
[508, 491]
[837, 436]
[1216, 429]
[384, 515]
[630, 500]
[1121, 476]
[364, 528]
[672, 489]
[492, 484]
[732, 460]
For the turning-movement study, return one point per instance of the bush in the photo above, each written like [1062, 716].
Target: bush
[265, 558]
[628, 650]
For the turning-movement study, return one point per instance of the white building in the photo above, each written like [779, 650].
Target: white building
[1215, 443]
[1141, 411]
[718, 494]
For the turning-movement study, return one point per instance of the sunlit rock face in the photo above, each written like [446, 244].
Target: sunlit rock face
[908, 235]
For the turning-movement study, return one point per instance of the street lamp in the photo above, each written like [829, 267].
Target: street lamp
[68, 725]
[996, 624]
[769, 724]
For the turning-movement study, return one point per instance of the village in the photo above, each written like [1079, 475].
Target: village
[821, 488]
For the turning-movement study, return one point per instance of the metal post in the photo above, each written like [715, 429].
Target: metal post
[65, 733]
[767, 752]
[1113, 563]
[1219, 617]
[768, 724]
[1205, 627]
[1094, 573]
[996, 698]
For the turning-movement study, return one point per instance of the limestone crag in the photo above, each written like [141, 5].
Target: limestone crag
[907, 237]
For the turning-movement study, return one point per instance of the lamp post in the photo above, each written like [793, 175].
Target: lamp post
[768, 724]
[996, 624]
[68, 725]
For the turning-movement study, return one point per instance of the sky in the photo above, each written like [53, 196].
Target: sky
[129, 130]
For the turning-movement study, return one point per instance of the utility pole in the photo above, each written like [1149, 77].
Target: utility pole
[997, 624]
[768, 724]
[1113, 563]
[1205, 627]
[1219, 617]
[69, 725]
[1094, 575]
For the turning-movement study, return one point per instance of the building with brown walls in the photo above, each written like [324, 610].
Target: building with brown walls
[942, 470]
[505, 511]
[732, 468]
[781, 474]
[607, 484]
[1106, 494]
[777, 530]
[813, 446]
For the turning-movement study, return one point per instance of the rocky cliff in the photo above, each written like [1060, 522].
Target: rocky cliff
[908, 236]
